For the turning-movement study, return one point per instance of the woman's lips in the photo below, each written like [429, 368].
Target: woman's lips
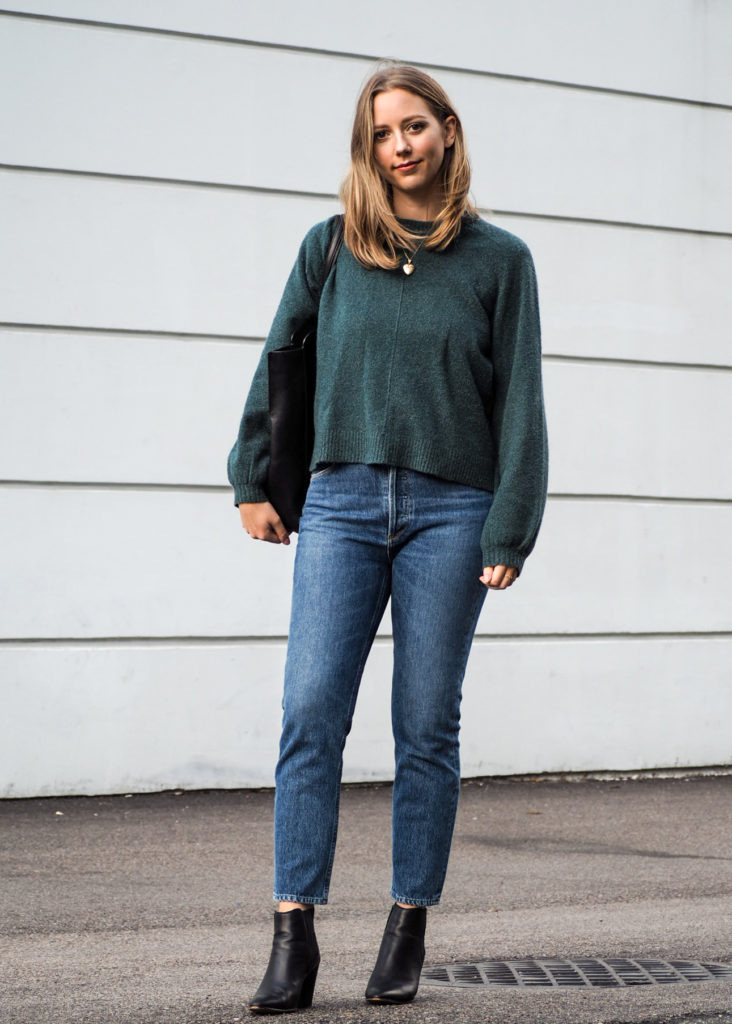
[406, 167]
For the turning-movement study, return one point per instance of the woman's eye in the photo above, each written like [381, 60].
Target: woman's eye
[380, 135]
[416, 126]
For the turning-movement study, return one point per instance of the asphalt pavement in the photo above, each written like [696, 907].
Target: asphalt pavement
[156, 909]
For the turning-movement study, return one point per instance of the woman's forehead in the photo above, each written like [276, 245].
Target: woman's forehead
[399, 104]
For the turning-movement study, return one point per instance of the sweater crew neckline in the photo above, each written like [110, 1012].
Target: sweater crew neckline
[419, 227]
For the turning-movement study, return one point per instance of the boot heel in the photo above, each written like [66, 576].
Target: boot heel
[308, 987]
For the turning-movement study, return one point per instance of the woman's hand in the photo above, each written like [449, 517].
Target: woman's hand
[498, 577]
[261, 522]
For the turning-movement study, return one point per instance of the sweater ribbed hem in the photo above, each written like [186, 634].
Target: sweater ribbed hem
[407, 453]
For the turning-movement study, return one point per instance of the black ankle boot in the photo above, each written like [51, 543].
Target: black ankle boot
[396, 975]
[293, 965]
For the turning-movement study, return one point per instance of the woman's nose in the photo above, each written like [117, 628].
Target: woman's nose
[402, 143]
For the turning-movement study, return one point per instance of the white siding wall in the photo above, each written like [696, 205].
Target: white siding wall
[158, 168]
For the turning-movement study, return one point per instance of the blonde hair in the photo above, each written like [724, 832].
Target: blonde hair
[372, 231]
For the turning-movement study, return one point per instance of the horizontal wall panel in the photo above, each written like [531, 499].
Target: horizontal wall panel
[631, 294]
[120, 408]
[618, 429]
[84, 562]
[678, 48]
[87, 720]
[141, 256]
[134, 719]
[146, 257]
[95, 408]
[87, 563]
[534, 148]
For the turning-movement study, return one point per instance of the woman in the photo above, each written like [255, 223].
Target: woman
[429, 466]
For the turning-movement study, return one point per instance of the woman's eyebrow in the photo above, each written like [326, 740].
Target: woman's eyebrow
[404, 120]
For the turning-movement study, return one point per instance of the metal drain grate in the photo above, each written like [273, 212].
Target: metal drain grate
[614, 972]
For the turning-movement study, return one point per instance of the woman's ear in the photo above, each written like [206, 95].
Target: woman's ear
[449, 126]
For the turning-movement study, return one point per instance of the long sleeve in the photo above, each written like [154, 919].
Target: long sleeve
[249, 458]
[518, 423]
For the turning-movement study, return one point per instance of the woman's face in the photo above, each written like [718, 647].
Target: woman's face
[409, 147]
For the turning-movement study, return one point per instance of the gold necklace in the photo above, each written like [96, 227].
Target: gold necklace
[409, 267]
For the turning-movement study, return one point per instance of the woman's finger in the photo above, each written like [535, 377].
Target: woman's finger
[508, 577]
[498, 577]
[498, 580]
[278, 528]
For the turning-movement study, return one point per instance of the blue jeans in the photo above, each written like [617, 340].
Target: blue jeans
[369, 533]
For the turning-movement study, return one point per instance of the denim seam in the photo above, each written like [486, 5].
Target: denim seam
[393, 534]
[295, 897]
[431, 901]
[391, 508]
[467, 645]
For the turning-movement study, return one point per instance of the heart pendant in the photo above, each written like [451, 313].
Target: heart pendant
[408, 268]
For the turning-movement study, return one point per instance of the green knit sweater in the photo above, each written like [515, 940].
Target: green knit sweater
[439, 372]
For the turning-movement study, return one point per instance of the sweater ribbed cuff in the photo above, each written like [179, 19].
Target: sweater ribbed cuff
[244, 493]
[503, 556]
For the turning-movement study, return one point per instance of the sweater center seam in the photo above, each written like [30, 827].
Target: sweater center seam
[394, 343]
